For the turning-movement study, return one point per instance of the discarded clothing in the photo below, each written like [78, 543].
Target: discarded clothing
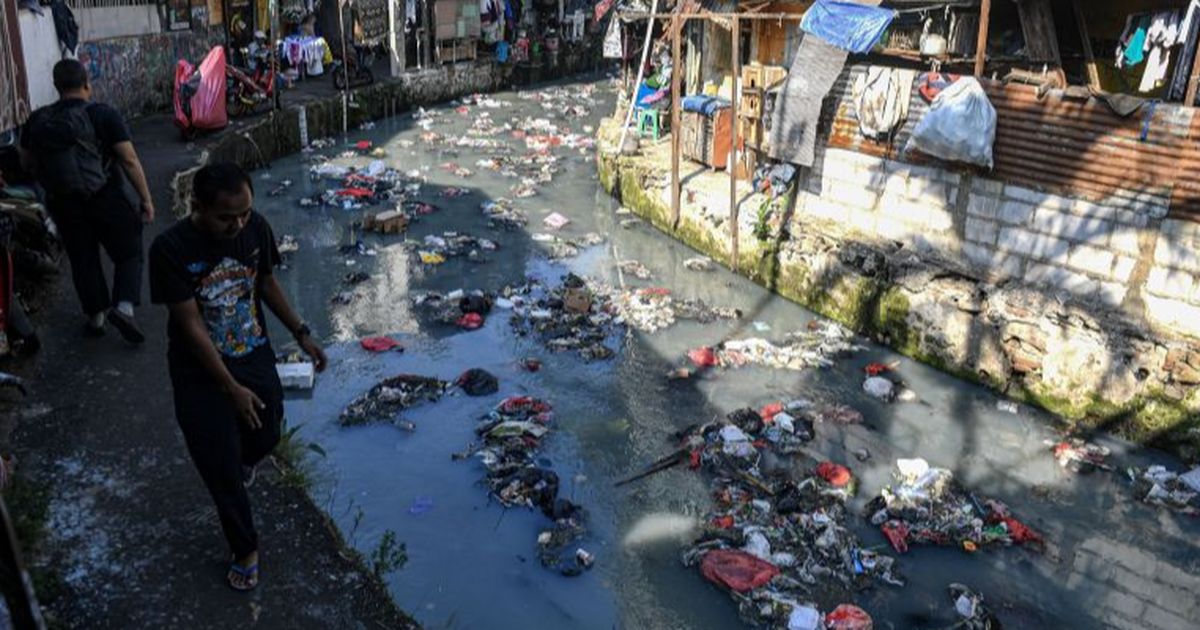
[380, 344]
[546, 313]
[973, 613]
[849, 26]
[478, 382]
[736, 570]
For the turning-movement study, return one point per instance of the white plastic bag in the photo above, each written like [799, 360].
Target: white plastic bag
[960, 125]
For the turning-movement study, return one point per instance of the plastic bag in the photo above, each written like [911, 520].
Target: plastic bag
[736, 570]
[848, 617]
[208, 105]
[960, 125]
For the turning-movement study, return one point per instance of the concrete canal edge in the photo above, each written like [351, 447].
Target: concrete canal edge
[1095, 368]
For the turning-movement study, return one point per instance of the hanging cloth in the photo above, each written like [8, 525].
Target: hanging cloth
[65, 26]
[881, 98]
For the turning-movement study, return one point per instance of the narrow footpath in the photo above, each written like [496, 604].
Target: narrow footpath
[131, 538]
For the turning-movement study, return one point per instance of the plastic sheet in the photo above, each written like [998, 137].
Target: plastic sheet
[853, 27]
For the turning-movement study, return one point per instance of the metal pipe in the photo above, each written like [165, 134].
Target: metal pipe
[733, 133]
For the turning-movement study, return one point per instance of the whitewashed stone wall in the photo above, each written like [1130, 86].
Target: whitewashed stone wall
[1121, 252]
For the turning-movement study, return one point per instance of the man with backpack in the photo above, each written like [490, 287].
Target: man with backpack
[96, 193]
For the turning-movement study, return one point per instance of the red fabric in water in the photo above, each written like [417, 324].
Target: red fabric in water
[837, 475]
[703, 357]
[897, 534]
[848, 617]
[470, 321]
[379, 344]
[736, 570]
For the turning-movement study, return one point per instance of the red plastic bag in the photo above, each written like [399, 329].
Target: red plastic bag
[470, 321]
[1020, 533]
[837, 475]
[769, 412]
[208, 104]
[356, 193]
[736, 570]
[380, 344]
[703, 357]
[363, 145]
[875, 369]
[897, 534]
[848, 617]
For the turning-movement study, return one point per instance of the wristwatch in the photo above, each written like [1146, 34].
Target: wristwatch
[302, 332]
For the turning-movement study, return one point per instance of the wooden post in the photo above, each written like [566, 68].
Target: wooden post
[733, 132]
[1193, 81]
[676, 100]
[1089, 57]
[985, 14]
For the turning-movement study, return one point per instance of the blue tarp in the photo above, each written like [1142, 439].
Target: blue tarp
[852, 27]
[707, 105]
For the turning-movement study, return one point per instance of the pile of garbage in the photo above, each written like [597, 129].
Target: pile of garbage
[373, 185]
[567, 247]
[575, 315]
[501, 215]
[776, 540]
[509, 437]
[814, 347]
[460, 308]
[437, 249]
[973, 613]
[653, 309]
[1158, 486]
[927, 505]
[384, 401]
[1079, 456]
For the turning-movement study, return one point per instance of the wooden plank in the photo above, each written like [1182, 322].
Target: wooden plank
[676, 99]
[731, 165]
[1190, 98]
[1037, 25]
[1089, 56]
[985, 16]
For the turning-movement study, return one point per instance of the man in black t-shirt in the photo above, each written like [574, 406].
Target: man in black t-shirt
[112, 217]
[214, 269]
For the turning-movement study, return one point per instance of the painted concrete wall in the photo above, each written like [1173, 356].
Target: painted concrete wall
[39, 44]
[136, 74]
[96, 24]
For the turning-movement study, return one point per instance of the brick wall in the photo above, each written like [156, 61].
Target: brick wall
[1120, 252]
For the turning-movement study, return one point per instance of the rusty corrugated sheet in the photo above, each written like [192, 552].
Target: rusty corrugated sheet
[1064, 146]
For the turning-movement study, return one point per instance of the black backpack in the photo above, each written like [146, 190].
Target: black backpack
[69, 156]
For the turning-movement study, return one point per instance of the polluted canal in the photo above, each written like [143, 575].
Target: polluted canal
[618, 351]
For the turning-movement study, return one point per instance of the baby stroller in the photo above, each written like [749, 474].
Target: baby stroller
[200, 94]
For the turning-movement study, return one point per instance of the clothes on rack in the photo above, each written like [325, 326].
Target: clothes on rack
[310, 53]
[1161, 37]
[1189, 33]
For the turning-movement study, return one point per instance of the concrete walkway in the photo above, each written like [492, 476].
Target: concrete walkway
[132, 539]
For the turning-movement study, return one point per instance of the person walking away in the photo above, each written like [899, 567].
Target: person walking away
[213, 270]
[82, 155]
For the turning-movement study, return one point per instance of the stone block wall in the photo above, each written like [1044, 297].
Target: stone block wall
[1120, 253]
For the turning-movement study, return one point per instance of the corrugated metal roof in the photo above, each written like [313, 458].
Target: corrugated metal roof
[1066, 146]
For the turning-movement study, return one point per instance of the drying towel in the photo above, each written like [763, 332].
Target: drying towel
[814, 70]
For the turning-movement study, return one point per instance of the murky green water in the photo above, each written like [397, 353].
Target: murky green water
[473, 564]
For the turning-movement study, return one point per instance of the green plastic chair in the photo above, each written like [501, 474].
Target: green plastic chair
[648, 121]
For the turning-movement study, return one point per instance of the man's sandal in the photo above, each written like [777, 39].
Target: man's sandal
[242, 578]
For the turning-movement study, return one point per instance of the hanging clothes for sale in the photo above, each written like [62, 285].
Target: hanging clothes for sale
[1189, 33]
[612, 40]
[881, 98]
[1132, 44]
[1161, 37]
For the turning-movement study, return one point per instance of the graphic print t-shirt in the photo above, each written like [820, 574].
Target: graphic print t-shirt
[222, 276]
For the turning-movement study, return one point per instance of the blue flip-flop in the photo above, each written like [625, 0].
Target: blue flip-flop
[250, 574]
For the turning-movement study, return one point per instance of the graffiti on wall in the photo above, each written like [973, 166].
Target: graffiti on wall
[136, 74]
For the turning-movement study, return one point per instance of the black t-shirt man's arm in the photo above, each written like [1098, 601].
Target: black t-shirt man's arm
[276, 300]
[114, 133]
